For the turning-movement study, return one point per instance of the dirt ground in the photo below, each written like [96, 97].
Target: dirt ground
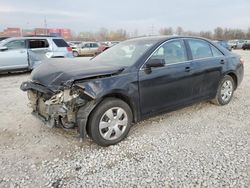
[26, 144]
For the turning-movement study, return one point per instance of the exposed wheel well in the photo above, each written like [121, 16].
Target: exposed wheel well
[234, 78]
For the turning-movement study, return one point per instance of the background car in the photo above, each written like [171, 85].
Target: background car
[239, 44]
[3, 38]
[111, 43]
[246, 46]
[232, 43]
[86, 49]
[22, 53]
[102, 48]
[225, 44]
[74, 44]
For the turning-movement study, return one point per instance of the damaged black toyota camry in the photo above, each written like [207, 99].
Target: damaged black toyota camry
[131, 81]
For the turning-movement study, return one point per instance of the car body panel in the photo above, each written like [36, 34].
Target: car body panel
[171, 84]
[18, 60]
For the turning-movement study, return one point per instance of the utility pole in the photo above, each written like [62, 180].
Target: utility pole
[45, 26]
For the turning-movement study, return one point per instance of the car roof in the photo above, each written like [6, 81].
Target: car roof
[37, 37]
[89, 42]
[162, 38]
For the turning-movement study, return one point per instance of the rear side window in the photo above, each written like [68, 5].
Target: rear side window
[38, 43]
[16, 44]
[200, 49]
[94, 45]
[60, 43]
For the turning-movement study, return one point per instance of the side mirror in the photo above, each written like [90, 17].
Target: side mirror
[3, 48]
[155, 63]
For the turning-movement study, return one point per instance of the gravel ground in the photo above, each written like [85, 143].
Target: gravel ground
[199, 146]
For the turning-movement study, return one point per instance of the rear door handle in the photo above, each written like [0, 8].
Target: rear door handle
[187, 69]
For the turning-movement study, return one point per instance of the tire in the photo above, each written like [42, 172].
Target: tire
[103, 125]
[75, 54]
[225, 91]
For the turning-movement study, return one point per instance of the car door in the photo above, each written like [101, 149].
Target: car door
[15, 55]
[166, 87]
[208, 63]
[39, 48]
[94, 48]
[85, 49]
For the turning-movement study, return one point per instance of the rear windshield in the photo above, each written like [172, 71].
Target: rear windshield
[60, 43]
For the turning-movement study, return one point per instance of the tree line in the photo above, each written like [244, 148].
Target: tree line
[118, 35]
[103, 35]
[218, 33]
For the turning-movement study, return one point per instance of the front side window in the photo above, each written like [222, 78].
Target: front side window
[87, 45]
[200, 49]
[171, 52]
[16, 44]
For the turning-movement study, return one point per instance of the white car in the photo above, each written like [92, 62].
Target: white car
[25, 53]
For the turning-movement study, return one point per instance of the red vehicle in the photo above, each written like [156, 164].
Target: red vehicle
[102, 48]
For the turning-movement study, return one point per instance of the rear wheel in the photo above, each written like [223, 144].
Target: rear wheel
[110, 122]
[75, 54]
[225, 91]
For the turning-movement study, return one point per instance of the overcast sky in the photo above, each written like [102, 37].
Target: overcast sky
[91, 15]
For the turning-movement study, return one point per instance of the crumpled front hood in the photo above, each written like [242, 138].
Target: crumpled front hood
[56, 72]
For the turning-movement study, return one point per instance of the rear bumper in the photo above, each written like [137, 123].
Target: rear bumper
[240, 74]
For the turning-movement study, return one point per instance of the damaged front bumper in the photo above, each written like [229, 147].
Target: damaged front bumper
[67, 108]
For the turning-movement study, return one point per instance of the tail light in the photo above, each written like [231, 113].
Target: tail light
[69, 49]
[241, 61]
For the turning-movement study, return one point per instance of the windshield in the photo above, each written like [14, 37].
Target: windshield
[125, 53]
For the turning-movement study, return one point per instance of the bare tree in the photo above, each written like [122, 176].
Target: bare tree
[218, 33]
[179, 31]
[239, 34]
[166, 31]
[206, 34]
[102, 34]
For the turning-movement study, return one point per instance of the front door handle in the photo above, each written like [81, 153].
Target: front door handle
[22, 51]
[222, 61]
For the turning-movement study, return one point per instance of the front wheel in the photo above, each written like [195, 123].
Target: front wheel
[225, 91]
[110, 122]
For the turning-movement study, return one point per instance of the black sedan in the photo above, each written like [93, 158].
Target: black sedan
[246, 46]
[131, 81]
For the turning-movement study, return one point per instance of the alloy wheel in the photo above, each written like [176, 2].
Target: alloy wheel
[226, 90]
